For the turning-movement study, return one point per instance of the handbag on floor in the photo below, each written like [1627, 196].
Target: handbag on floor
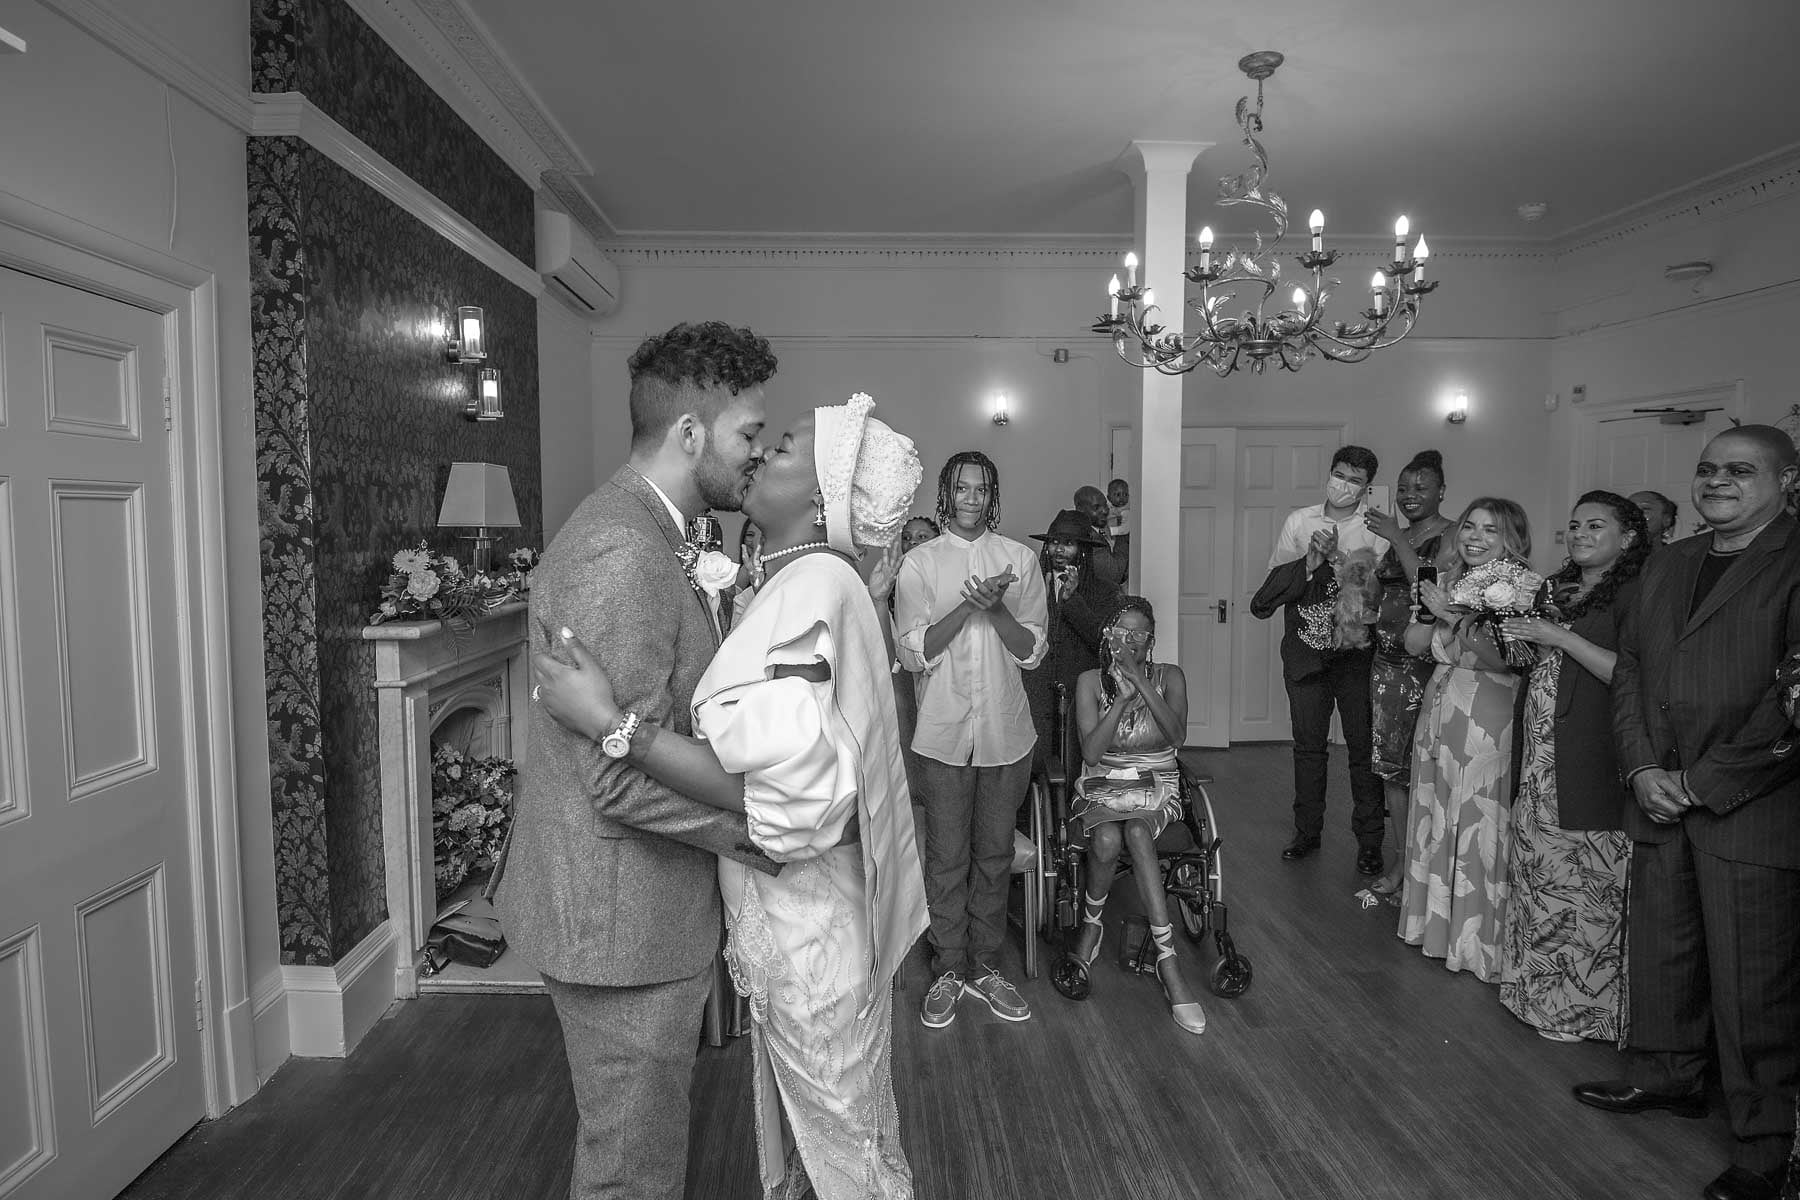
[465, 934]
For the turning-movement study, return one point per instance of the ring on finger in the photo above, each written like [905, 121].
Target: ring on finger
[534, 692]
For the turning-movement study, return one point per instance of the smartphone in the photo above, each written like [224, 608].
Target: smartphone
[1428, 573]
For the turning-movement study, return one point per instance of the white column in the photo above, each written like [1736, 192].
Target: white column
[1159, 174]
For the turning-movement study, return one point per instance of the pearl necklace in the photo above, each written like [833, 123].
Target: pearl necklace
[757, 572]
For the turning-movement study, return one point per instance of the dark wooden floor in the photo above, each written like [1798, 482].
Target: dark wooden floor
[1353, 1068]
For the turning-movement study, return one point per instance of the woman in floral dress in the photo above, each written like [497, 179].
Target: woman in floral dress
[1397, 678]
[1454, 894]
[1562, 953]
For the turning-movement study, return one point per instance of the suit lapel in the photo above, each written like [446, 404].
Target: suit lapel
[1748, 566]
[626, 479]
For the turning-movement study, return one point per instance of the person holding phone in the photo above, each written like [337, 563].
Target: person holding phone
[1079, 601]
[1397, 678]
[970, 616]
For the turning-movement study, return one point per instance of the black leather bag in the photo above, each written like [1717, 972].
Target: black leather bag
[471, 937]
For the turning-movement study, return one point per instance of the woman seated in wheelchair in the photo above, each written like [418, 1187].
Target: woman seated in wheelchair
[1131, 714]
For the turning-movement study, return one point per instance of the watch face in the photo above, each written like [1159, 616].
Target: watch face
[615, 746]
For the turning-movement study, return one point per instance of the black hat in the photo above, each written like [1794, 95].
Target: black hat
[1071, 526]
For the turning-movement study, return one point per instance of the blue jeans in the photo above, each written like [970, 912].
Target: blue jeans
[970, 814]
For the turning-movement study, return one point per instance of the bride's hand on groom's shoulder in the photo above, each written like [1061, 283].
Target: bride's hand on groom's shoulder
[577, 693]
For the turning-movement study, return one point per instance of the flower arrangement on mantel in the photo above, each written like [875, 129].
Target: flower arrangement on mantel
[471, 810]
[429, 586]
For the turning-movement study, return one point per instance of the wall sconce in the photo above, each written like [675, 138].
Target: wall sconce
[484, 402]
[1001, 415]
[1459, 409]
[469, 343]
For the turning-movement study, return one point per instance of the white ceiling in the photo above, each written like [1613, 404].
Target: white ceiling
[1010, 116]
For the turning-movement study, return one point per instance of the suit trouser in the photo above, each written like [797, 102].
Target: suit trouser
[631, 1063]
[1712, 944]
[1344, 682]
[970, 813]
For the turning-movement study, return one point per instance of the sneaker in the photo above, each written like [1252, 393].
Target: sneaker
[939, 1008]
[1001, 996]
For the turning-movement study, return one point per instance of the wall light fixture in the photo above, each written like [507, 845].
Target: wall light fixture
[484, 401]
[1459, 409]
[468, 344]
[1001, 414]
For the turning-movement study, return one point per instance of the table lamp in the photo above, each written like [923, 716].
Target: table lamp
[479, 496]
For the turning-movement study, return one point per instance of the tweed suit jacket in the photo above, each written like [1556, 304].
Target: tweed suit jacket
[1699, 694]
[612, 878]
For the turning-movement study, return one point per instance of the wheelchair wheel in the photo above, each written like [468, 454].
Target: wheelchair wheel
[1231, 976]
[1190, 880]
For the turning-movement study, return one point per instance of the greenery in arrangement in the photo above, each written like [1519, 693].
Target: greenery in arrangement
[471, 810]
[428, 586]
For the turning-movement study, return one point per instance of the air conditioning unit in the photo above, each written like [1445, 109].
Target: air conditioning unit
[573, 268]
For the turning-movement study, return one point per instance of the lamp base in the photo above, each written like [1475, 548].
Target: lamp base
[482, 559]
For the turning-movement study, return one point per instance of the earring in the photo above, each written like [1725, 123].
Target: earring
[819, 511]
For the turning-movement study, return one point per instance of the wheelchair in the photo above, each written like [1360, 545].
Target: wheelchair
[1187, 854]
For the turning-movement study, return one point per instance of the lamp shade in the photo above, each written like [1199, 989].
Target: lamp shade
[479, 495]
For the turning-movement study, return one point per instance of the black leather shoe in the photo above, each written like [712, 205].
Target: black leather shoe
[1741, 1183]
[1368, 860]
[1299, 848]
[1615, 1095]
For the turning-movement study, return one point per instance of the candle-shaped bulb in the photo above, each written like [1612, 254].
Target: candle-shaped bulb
[1149, 299]
[1420, 254]
[1131, 262]
[1317, 222]
[1378, 285]
[1401, 227]
[1206, 237]
[1300, 300]
[1400, 230]
[1112, 292]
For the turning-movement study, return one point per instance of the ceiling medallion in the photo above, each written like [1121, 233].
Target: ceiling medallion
[1255, 336]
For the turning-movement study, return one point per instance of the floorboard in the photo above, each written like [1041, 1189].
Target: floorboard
[1353, 1068]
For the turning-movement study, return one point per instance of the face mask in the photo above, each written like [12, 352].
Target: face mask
[1341, 493]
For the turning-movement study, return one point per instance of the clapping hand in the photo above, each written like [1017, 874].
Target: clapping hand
[1066, 579]
[1437, 601]
[1535, 630]
[983, 594]
[1384, 525]
[1321, 548]
[577, 695]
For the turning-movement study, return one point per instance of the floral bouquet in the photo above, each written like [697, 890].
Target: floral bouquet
[426, 585]
[1495, 591]
[471, 811]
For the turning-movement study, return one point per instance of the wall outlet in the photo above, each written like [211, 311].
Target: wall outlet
[1060, 355]
[1578, 393]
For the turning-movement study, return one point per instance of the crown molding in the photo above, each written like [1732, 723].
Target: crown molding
[291, 114]
[1763, 178]
[226, 99]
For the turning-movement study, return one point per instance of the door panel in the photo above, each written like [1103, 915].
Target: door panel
[1645, 455]
[1208, 469]
[100, 1064]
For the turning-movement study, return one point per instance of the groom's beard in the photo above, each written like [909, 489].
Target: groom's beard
[721, 485]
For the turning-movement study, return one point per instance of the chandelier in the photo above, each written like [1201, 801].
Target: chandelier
[1238, 317]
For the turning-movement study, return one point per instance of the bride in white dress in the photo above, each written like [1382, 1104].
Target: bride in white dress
[797, 729]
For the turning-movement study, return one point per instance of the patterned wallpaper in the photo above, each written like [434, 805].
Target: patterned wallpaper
[358, 418]
[323, 49]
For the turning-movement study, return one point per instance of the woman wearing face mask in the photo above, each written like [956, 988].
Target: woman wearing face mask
[1132, 714]
[1454, 893]
[1561, 952]
[1396, 678]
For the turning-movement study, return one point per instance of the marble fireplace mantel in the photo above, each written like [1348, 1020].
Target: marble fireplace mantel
[424, 673]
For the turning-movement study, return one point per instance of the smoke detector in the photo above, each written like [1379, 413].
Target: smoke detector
[1534, 211]
[1682, 272]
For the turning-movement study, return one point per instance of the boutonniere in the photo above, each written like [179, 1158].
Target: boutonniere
[710, 571]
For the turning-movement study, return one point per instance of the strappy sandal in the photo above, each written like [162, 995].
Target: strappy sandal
[1188, 1014]
[1070, 975]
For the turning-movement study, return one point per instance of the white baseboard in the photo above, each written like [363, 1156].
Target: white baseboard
[269, 1008]
[329, 1009]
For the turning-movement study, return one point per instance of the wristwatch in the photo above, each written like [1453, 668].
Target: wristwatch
[617, 744]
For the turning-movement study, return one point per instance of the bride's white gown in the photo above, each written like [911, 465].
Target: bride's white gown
[815, 947]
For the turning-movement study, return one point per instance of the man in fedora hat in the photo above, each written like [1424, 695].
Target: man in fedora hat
[1079, 600]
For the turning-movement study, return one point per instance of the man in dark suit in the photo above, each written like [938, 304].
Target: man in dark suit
[1713, 917]
[611, 885]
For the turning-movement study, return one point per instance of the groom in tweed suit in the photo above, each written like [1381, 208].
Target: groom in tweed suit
[611, 885]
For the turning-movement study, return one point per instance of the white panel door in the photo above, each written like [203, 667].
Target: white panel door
[1208, 491]
[100, 1067]
[1278, 470]
[1643, 454]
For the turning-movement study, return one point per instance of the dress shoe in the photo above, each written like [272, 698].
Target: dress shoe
[1615, 1095]
[1368, 860]
[1741, 1183]
[1299, 848]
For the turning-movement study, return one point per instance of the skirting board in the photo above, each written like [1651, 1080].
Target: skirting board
[329, 1009]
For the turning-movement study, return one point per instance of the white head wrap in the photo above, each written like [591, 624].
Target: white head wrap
[867, 474]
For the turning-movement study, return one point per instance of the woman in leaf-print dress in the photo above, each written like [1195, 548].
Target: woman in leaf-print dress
[1562, 952]
[1459, 825]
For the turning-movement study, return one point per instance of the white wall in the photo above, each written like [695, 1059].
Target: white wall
[104, 159]
[565, 411]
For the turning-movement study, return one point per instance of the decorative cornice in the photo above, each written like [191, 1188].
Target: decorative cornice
[1746, 185]
[227, 99]
[290, 114]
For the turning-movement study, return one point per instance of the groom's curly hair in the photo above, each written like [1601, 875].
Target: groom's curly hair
[683, 371]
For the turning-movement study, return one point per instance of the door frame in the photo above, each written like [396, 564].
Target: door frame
[38, 241]
[1589, 414]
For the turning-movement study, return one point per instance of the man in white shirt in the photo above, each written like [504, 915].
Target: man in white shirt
[1319, 676]
[970, 616]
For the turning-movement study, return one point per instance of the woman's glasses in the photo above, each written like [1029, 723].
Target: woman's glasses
[1132, 637]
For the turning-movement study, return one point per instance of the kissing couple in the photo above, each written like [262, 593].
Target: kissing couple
[671, 766]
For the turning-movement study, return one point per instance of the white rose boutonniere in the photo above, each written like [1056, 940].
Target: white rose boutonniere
[713, 572]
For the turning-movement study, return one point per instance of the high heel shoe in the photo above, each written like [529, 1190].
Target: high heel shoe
[1188, 1014]
[1070, 975]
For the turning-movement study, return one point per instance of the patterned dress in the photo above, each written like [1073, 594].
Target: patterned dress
[1138, 745]
[1563, 952]
[1396, 679]
[1459, 826]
